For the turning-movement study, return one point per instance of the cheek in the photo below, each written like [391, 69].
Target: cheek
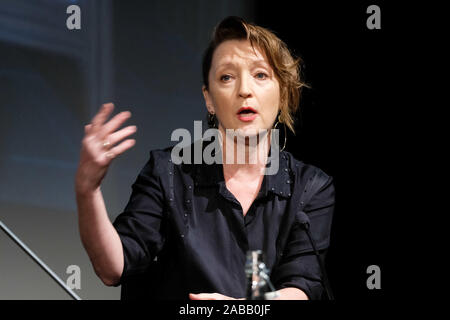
[272, 101]
[221, 101]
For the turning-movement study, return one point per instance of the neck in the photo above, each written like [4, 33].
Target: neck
[244, 154]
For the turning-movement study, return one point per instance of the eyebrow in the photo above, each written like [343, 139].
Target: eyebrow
[259, 62]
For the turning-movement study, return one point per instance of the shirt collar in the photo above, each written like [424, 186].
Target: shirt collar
[280, 183]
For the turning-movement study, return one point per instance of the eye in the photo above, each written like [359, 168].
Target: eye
[261, 75]
[225, 77]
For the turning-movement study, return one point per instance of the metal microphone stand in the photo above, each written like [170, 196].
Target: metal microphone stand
[38, 261]
[258, 278]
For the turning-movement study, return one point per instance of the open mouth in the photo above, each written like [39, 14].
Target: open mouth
[247, 114]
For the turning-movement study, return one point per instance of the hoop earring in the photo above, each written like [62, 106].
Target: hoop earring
[285, 133]
[212, 120]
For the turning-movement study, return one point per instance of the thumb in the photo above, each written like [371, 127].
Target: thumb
[194, 296]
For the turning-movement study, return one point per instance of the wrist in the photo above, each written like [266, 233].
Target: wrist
[84, 190]
[83, 187]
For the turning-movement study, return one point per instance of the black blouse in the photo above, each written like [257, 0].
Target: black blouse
[184, 232]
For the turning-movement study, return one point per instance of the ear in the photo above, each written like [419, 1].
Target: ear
[208, 100]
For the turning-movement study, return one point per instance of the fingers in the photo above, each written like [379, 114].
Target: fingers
[120, 135]
[200, 296]
[114, 123]
[87, 128]
[99, 128]
[101, 116]
[209, 296]
[101, 144]
[119, 149]
[116, 137]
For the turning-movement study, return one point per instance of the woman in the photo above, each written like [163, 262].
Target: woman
[187, 227]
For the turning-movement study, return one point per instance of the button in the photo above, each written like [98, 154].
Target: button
[289, 194]
[289, 181]
[273, 189]
[285, 169]
[170, 172]
[188, 201]
[170, 199]
[189, 187]
[281, 192]
[182, 235]
[185, 214]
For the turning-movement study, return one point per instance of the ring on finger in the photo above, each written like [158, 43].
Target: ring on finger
[106, 144]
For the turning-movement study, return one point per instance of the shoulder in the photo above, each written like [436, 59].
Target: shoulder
[157, 162]
[314, 186]
[304, 170]
[161, 161]
[160, 156]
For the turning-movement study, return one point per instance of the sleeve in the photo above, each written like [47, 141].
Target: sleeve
[140, 224]
[298, 266]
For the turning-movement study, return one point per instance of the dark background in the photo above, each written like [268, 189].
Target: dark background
[145, 56]
[348, 127]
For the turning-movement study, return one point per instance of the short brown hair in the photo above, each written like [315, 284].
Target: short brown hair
[284, 64]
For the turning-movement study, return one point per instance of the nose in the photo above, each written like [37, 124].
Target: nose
[244, 87]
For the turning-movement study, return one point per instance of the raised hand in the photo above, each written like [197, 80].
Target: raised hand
[100, 145]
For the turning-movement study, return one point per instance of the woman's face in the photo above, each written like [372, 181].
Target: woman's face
[243, 90]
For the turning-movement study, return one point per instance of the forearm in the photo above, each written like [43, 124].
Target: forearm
[99, 237]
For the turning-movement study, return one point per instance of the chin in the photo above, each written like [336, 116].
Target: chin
[247, 129]
[250, 130]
